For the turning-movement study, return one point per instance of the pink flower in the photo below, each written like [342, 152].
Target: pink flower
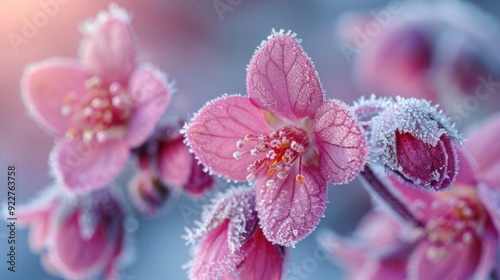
[425, 50]
[413, 139]
[79, 236]
[285, 136]
[98, 106]
[178, 167]
[147, 193]
[231, 243]
[459, 238]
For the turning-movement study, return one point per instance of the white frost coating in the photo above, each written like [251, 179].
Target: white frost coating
[413, 116]
[90, 26]
[237, 205]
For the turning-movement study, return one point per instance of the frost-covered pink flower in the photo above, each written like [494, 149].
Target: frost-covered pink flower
[231, 243]
[98, 106]
[412, 138]
[432, 50]
[459, 237]
[283, 135]
[79, 236]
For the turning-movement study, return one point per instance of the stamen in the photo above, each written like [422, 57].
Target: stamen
[270, 183]
[300, 179]
[282, 175]
[250, 177]
[239, 144]
[237, 155]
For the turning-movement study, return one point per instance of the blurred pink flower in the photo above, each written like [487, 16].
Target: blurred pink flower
[412, 138]
[231, 243]
[178, 167]
[431, 50]
[79, 236]
[285, 136]
[461, 226]
[98, 106]
[147, 193]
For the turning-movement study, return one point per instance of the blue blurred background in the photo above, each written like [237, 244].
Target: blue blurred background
[206, 53]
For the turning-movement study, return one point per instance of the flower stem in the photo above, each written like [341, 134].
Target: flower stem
[381, 189]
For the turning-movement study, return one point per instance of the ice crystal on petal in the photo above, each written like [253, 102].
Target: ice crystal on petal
[414, 139]
[236, 205]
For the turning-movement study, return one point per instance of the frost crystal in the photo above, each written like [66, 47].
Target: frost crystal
[236, 205]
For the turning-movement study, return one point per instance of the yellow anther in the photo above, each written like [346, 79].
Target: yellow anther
[67, 99]
[72, 133]
[300, 179]
[271, 171]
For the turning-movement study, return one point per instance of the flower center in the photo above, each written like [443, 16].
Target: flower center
[461, 219]
[101, 113]
[281, 148]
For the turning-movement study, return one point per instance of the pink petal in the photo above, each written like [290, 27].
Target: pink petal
[466, 174]
[200, 182]
[458, 262]
[214, 259]
[110, 269]
[490, 197]
[341, 143]
[45, 88]
[427, 166]
[76, 256]
[109, 48]
[174, 163]
[82, 165]
[150, 95]
[214, 132]
[282, 79]
[485, 151]
[488, 253]
[290, 211]
[264, 261]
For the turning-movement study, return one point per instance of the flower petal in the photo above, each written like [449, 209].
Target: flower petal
[213, 257]
[83, 165]
[200, 182]
[454, 262]
[427, 166]
[282, 79]
[485, 151]
[109, 48]
[47, 87]
[488, 253]
[290, 211]
[150, 95]
[76, 256]
[264, 261]
[214, 132]
[174, 163]
[341, 142]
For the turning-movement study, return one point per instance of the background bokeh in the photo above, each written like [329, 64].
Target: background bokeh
[207, 56]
